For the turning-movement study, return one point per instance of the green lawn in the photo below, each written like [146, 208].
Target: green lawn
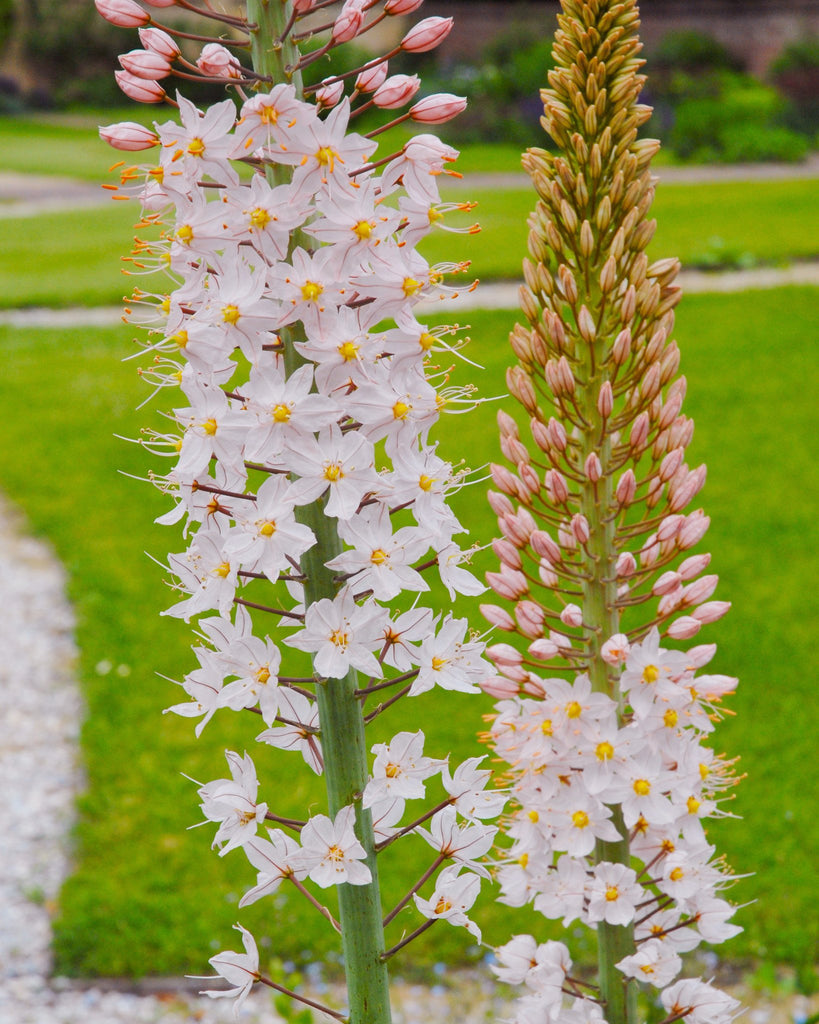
[148, 897]
[76, 257]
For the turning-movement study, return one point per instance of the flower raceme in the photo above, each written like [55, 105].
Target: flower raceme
[603, 724]
[299, 460]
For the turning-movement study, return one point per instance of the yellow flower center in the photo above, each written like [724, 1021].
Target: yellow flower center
[391, 771]
[332, 472]
[523, 860]
[185, 234]
[181, 338]
[546, 727]
[281, 413]
[259, 218]
[580, 819]
[442, 906]
[438, 664]
[310, 291]
[676, 874]
[335, 853]
[612, 894]
[426, 341]
[651, 674]
[339, 638]
[230, 314]
[670, 718]
[268, 529]
[692, 803]
[534, 816]
[326, 156]
[574, 709]
[425, 482]
[363, 229]
[642, 787]
[196, 147]
[223, 570]
[210, 426]
[705, 771]
[400, 410]
[348, 351]
[263, 674]
[268, 115]
[378, 557]
[435, 215]
[411, 286]
[604, 751]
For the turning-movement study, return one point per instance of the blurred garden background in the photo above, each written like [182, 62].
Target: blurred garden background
[146, 897]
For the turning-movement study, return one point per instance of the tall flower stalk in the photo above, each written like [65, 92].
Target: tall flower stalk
[612, 780]
[300, 456]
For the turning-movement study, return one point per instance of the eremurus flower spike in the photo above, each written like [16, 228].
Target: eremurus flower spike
[606, 760]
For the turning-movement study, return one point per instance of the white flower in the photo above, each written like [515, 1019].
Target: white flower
[330, 852]
[241, 970]
[454, 894]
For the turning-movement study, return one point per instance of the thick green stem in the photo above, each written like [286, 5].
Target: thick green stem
[602, 618]
[340, 711]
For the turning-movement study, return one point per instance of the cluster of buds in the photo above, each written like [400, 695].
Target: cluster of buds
[612, 779]
[301, 461]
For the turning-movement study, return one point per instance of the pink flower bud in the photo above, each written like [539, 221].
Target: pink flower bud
[145, 64]
[160, 42]
[693, 530]
[586, 325]
[615, 650]
[580, 528]
[540, 433]
[530, 618]
[693, 566]
[328, 95]
[669, 528]
[626, 488]
[498, 617]
[572, 616]
[622, 346]
[544, 547]
[369, 80]
[592, 468]
[670, 411]
[402, 6]
[508, 584]
[217, 61]
[651, 382]
[543, 649]
[650, 551]
[140, 89]
[500, 688]
[700, 590]
[557, 434]
[639, 433]
[666, 583]
[506, 425]
[396, 91]
[561, 641]
[605, 400]
[507, 553]
[681, 495]
[128, 136]
[515, 530]
[161, 3]
[438, 108]
[504, 655]
[683, 628]
[528, 477]
[670, 464]
[500, 504]
[124, 13]
[303, 6]
[711, 611]
[503, 479]
[626, 565]
[349, 21]
[426, 35]
[556, 487]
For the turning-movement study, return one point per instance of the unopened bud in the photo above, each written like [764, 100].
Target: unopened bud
[580, 528]
[140, 89]
[328, 95]
[543, 649]
[700, 590]
[123, 13]
[626, 488]
[669, 528]
[628, 306]
[649, 551]
[586, 325]
[547, 574]
[540, 434]
[507, 553]
[556, 487]
[586, 239]
[520, 387]
[531, 310]
[669, 413]
[557, 434]
[667, 582]
[711, 611]
[507, 425]
[129, 136]
[508, 584]
[572, 616]
[693, 529]
[530, 618]
[369, 80]
[503, 655]
[626, 565]
[349, 21]
[519, 338]
[566, 537]
[693, 566]
[503, 479]
[145, 64]
[670, 464]
[498, 617]
[500, 503]
[402, 6]
[683, 628]
[639, 433]
[605, 400]
[544, 546]
[160, 42]
[426, 35]
[438, 108]
[604, 216]
[622, 346]
[608, 275]
[615, 650]
[528, 477]
[500, 688]
[396, 90]
[670, 602]
[592, 467]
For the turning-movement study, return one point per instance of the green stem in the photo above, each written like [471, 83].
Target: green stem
[340, 711]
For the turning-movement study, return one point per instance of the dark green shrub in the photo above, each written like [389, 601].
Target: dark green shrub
[795, 73]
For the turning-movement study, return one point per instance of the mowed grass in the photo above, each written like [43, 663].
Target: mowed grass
[147, 896]
[76, 257]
